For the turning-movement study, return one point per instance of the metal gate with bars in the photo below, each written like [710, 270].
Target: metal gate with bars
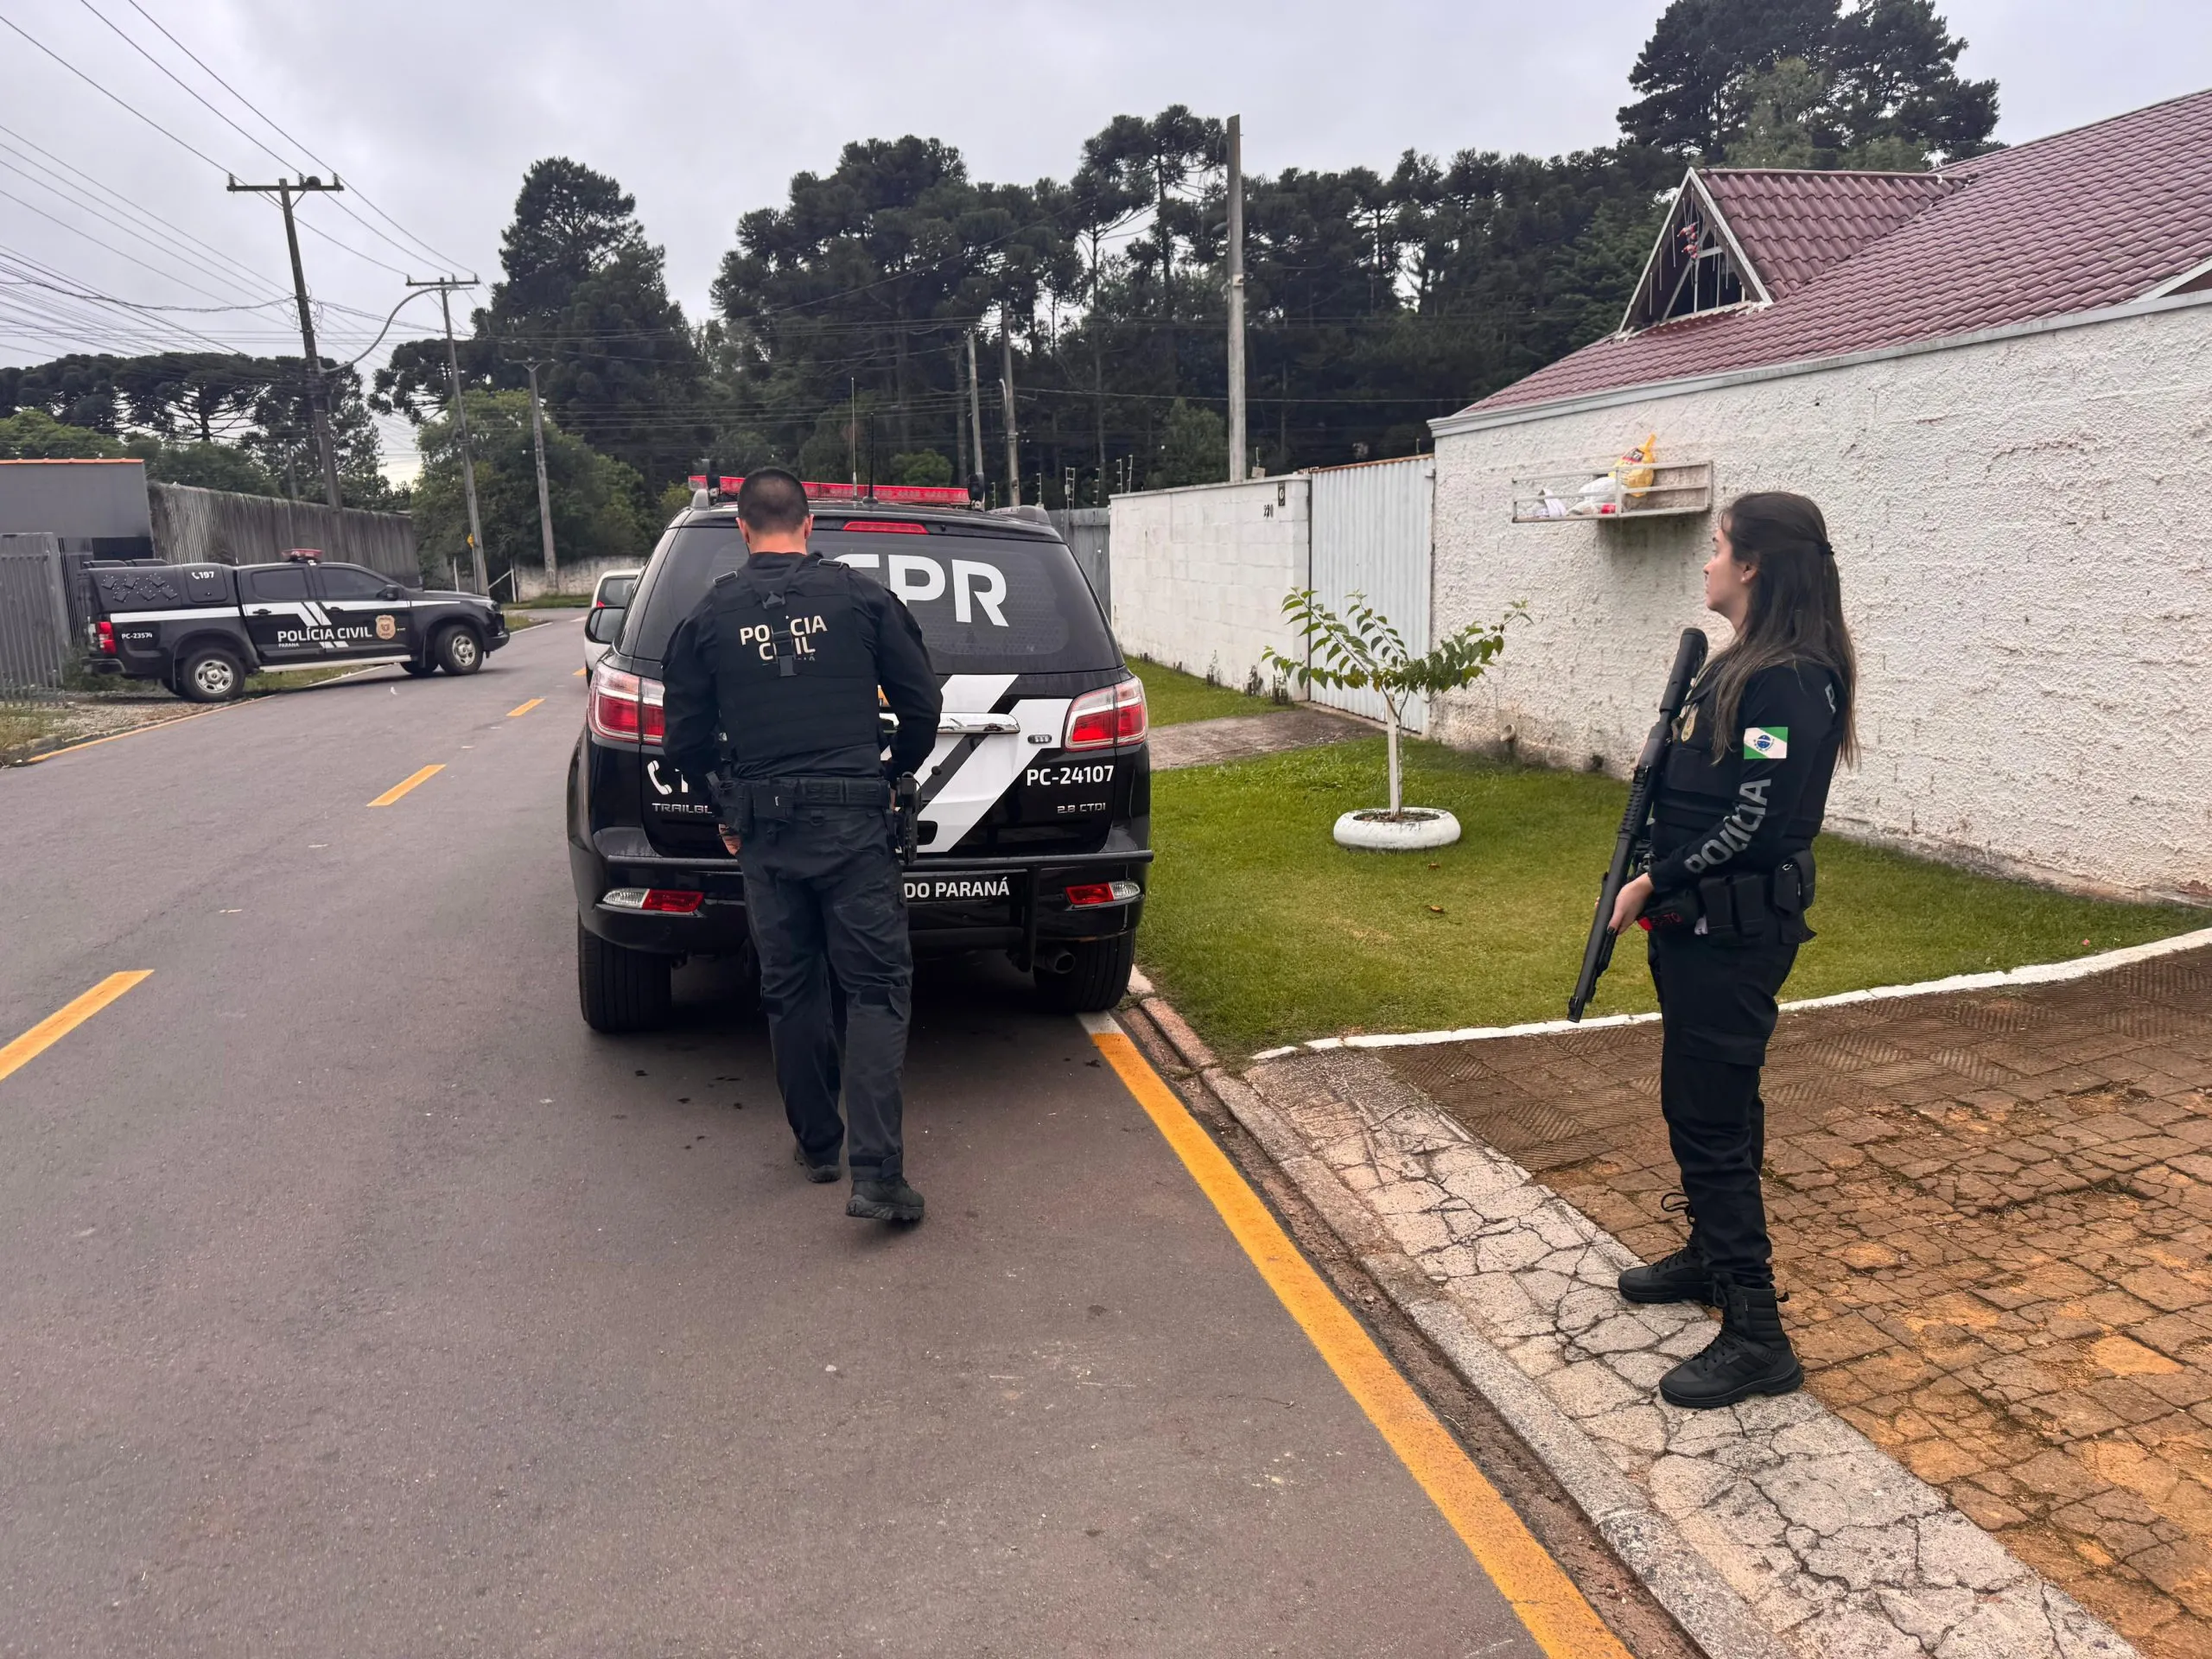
[1372, 529]
[36, 644]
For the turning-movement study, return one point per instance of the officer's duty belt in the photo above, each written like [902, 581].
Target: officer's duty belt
[1746, 906]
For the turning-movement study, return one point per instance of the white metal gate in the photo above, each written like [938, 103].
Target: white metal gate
[1371, 526]
[35, 645]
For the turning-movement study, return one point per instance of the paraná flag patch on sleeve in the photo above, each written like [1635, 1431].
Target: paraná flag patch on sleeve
[1766, 743]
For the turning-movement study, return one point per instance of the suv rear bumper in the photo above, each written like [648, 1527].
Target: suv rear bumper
[1034, 912]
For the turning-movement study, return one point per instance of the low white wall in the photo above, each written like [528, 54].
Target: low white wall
[1199, 574]
[578, 578]
[2026, 565]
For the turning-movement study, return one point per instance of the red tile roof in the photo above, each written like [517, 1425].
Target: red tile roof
[1793, 227]
[2089, 217]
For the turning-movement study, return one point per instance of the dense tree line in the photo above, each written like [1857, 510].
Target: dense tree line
[840, 324]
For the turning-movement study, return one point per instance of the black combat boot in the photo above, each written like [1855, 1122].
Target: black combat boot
[884, 1200]
[1681, 1277]
[818, 1173]
[1750, 1356]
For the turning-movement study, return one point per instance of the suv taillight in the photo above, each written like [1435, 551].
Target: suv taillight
[625, 707]
[104, 637]
[1111, 715]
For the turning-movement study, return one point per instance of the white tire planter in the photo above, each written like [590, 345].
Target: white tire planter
[1416, 829]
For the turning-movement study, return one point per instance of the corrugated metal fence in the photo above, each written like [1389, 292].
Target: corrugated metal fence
[1373, 535]
[1085, 531]
[196, 527]
[36, 643]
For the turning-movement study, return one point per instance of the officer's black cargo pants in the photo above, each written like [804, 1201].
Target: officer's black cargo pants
[823, 897]
[1717, 1009]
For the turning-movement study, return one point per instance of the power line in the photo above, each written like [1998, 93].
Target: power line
[419, 243]
[111, 97]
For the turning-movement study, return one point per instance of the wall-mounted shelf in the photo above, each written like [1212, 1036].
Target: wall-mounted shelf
[1678, 489]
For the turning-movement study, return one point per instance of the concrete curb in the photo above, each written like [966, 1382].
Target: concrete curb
[1784, 1533]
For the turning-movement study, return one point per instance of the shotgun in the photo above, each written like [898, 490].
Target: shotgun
[1632, 845]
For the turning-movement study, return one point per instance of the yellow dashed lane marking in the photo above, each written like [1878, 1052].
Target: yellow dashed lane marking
[58, 1025]
[404, 784]
[578, 675]
[1563, 1623]
[526, 708]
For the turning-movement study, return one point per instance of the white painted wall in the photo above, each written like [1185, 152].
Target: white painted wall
[1199, 574]
[2026, 554]
[580, 577]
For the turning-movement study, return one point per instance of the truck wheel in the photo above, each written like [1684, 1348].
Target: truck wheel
[1098, 980]
[418, 670]
[620, 989]
[457, 651]
[213, 674]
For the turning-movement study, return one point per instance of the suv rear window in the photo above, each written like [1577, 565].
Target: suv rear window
[987, 604]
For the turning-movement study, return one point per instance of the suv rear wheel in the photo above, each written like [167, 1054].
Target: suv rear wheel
[211, 675]
[621, 990]
[1095, 982]
[457, 651]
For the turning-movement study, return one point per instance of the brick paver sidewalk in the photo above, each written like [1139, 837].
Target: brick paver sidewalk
[1994, 1214]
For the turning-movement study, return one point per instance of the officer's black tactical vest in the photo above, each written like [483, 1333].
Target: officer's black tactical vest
[795, 670]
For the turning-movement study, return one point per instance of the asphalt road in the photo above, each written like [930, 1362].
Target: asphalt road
[359, 1301]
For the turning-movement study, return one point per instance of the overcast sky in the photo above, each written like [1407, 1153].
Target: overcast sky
[705, 110]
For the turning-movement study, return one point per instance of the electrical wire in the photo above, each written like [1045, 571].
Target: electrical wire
[420, 244]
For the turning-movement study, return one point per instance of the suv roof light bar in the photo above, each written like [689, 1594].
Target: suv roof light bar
[913, 495]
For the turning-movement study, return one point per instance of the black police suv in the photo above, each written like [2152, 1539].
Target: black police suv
[200, 629]
[1036, 803]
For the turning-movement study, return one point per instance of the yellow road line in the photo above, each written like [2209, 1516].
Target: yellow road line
[1563, 1623]
[526, 708]
[58, 1025]
[578, 675]
[404, 784]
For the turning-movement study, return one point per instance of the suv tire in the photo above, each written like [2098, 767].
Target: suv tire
[419, 671]
[211, 674]
[1098, 979]
[458, 651]
[621, 990]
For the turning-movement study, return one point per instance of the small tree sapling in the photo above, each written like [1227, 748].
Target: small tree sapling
[1361, 650]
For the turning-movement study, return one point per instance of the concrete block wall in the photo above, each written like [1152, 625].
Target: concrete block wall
[579, 577]
[2027, 570]
[1199, 574]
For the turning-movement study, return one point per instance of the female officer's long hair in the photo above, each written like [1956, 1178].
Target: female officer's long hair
[1796, 612]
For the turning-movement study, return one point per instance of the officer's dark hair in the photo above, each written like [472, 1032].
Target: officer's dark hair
[1796, 609]
[772, 501]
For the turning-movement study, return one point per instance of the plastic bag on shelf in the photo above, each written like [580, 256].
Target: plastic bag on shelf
[1632, 472]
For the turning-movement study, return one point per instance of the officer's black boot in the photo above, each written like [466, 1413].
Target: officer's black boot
[884, 1200]
[1682, 1277]
[1750, 1356]
[818, 1173]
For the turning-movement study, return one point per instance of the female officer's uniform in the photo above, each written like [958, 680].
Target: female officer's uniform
[1731, 874]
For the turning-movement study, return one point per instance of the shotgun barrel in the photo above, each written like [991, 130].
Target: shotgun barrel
[1633, 841]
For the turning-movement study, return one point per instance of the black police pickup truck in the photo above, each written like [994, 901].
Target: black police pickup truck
[200, 629]
[1036, 804]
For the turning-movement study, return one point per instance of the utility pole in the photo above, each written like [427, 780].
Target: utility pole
[975, 417]
[445, 285]
[1013, 439]
[545, 501]
[317, 388]
[1238, 445]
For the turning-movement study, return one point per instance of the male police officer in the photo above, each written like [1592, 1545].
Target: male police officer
[771, 694]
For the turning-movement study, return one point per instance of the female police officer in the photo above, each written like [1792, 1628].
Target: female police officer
[1745, 784]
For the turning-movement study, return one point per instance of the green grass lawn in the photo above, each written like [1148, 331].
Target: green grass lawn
[1262, 930]
[1173, 696]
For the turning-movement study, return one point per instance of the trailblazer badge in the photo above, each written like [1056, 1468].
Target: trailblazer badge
[386, 628]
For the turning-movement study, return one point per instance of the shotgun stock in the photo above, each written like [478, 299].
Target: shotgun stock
[1631, 844]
